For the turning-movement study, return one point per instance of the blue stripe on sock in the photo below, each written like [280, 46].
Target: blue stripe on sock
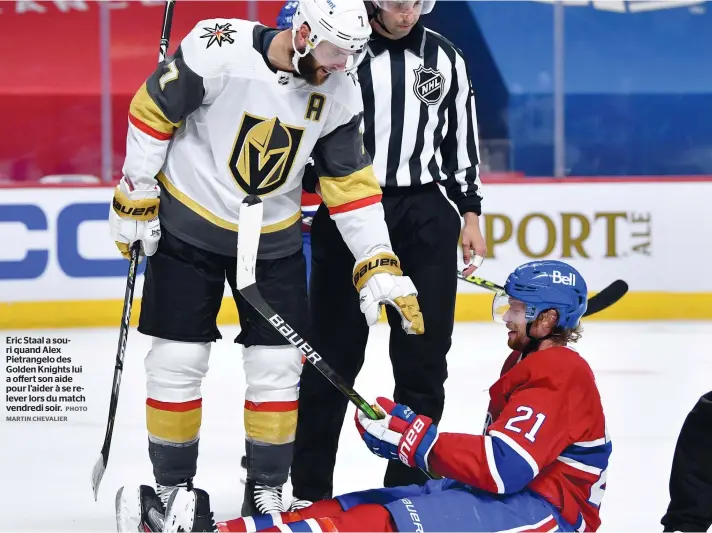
[300, 527]
[262, 521]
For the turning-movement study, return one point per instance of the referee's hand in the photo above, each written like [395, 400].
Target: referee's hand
[474, 247]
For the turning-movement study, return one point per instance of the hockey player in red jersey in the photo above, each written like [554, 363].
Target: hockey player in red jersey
[540, 465]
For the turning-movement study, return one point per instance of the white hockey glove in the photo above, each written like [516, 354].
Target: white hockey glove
[379, 280]
[133, 216]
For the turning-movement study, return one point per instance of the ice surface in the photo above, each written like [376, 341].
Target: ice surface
[650, 375]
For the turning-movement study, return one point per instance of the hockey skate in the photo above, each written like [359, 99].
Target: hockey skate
[298, 504]
[139, 509]
[189, 510]
[144, 509]
[261, 499]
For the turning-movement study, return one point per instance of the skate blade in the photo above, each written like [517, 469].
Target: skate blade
[180, 512]
[128, 510]
[97, 473]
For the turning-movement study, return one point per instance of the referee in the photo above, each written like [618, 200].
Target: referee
[420, 130]
[690, 507]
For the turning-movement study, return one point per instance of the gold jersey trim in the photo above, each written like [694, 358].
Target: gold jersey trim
[337, 191]
[216, 220]
[147, 111]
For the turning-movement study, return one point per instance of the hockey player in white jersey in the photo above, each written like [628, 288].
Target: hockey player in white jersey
[238, 110]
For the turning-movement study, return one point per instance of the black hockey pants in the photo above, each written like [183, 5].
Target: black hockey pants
[424, 230]
[690, 506]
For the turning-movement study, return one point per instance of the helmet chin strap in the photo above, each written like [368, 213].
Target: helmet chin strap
[534, 342]
[297, 54]
[376, 16]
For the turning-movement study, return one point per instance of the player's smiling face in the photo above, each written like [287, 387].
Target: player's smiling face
[515, 320]
[513, 313]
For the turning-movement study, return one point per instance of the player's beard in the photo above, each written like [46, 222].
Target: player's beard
[519, 339]
[311, 71]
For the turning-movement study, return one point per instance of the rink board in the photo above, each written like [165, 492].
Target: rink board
[59, 267]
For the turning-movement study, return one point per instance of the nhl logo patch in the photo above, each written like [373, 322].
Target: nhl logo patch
[428, 86]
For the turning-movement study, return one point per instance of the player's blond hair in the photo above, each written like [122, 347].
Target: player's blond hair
[566, 336]
[563, 336]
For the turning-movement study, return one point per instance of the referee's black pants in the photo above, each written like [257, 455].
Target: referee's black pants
[690, 507]
[424, 230]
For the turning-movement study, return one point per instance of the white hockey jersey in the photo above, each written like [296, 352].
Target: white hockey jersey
[217, 122]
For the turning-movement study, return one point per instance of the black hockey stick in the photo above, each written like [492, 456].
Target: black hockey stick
[250, 224]
[97, 473]
[603, 300]
[99, 468]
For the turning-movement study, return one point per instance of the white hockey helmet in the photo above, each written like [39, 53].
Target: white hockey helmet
[339, 30]
[421, 7]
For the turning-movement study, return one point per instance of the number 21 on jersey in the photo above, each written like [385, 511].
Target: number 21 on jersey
[518, 423]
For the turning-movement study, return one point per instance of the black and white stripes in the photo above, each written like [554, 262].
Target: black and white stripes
[419, 115]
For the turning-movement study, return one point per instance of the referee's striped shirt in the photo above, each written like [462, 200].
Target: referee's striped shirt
[419, 115]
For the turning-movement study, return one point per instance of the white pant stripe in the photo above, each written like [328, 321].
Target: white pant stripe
[249, 524]
[314, 525]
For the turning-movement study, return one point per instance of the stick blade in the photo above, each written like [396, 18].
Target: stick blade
[607, 297]
[97, 473]
[248, 237]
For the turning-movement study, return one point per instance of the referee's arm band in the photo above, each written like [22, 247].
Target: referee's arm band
[469, 204]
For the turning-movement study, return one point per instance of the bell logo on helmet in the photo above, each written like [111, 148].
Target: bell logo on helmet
[558, 277]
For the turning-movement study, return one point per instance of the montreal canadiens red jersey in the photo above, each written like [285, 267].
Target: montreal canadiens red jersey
[310, 203]
[545, 430]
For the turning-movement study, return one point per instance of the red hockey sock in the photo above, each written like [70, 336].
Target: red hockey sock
[316, 525]
[263, 522]
[319, 509]
[366, 517]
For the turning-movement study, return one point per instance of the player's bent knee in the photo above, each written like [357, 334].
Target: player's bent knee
[272, 373]
[175, 370]
[174, 374]
[367, 517]
[271, 406]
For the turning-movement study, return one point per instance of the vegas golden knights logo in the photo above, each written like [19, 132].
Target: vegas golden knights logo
[264, 153]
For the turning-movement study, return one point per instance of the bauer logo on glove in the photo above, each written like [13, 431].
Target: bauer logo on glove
[382, 262]
[134, 217]
[380, 280]
[138, 209]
